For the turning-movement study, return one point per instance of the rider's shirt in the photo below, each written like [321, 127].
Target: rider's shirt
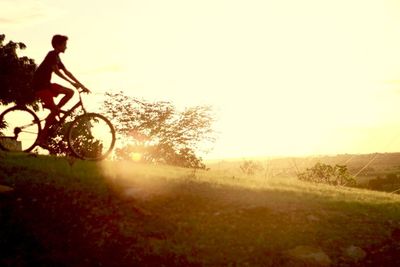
[42, 76]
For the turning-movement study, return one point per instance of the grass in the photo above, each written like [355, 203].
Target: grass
[78, 213]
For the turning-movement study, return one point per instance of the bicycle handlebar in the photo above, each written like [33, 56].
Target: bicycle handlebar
[83, 89]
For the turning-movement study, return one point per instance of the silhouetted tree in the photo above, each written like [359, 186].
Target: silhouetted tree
[15, 74]
[57, 142]
[158, 131]
[250, 167]
[324, 173]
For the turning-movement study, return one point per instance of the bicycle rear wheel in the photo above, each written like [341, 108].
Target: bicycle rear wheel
[19, 129]
[91, 136]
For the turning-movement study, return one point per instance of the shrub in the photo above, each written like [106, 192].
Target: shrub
[389, 183]
[250, 167]
[324, 173]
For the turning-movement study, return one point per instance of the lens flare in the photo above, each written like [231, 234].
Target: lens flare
[135, 156]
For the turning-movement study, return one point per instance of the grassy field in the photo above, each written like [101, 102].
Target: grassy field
[365, 166]
[66, 212]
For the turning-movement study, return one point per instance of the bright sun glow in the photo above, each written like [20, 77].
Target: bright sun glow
[285, 77]
[136, 156]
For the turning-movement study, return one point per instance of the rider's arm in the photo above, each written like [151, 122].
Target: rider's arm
[69, 74]
[61, 75]
[74, 81]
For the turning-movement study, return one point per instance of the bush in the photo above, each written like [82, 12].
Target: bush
[324, 173]
[391, 182]
[250, 167]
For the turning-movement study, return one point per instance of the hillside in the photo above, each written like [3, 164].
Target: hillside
[370, 165]
[66, 212]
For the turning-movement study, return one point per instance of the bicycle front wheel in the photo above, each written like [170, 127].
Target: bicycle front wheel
[19, 129]
[91, 136]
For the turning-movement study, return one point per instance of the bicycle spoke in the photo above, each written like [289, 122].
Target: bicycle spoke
[91, 136]
[30, 132]
[21, 129]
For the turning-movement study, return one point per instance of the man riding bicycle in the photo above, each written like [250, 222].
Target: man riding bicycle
[47, 91]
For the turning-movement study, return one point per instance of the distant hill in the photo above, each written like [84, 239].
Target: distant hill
[370, 164]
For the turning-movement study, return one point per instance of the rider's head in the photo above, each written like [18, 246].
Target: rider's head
[59, 42]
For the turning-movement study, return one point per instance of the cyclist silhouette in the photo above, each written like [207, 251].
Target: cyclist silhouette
[47, 91]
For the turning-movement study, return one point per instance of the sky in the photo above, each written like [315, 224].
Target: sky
[283, 77]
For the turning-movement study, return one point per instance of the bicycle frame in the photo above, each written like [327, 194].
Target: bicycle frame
[65, 114]
[71, 110]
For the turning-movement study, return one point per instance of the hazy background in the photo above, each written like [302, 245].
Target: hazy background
[285, 77]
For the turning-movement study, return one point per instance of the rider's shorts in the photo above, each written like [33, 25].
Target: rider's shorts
[47, 95]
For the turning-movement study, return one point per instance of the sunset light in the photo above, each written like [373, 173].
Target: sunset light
[136, 156]
[284, 77]
[200, 133]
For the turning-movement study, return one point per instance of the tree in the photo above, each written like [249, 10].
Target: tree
[250, 167]
[57, 141]
[324, 173]
[158, 131]
[15, 75]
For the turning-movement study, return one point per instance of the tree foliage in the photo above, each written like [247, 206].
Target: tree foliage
[158, 131]
[250, 167]
[57, 141]
[15, 74]
[391, 182]
[324, 173]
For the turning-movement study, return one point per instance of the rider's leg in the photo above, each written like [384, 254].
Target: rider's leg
[58, 89]
[47, 97]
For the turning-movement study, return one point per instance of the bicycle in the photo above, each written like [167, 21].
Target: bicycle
[90, 136]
